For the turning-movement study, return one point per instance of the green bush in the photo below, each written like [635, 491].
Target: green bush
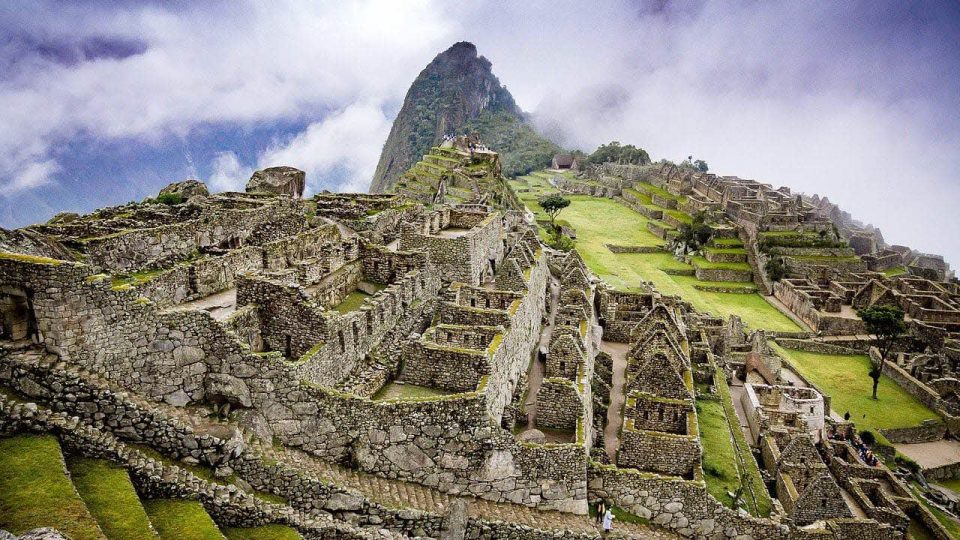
[775, 269]
[560, 241]
[169, 199]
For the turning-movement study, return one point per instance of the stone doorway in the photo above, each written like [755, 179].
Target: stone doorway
[17, 319]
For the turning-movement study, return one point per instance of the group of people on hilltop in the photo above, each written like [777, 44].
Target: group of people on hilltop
[605, 516]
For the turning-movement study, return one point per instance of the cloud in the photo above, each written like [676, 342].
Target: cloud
[147, 72]
[338, 153]
[856, 101]
[228, 173]
[33, 175]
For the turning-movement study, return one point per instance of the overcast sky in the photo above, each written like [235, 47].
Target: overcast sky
[106, 102]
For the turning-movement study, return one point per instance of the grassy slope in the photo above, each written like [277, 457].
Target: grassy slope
[601, 221]
[182, 520]
[845, 379]
[35, 490]
[267, 532]
[111, 498]
[719, 460]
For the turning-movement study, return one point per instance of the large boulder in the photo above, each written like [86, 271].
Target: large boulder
[223, 388]
[280, 180]
[186, 189]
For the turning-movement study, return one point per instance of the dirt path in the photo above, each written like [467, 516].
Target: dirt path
[611, 439]
[932, 454]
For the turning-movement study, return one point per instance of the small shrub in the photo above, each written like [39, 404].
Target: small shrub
[775, 269]
[560, 241]
[907, 463]
[169, 199]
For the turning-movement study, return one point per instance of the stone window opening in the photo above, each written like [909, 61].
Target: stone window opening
[288, 346]
[343, 345]
[17, 317]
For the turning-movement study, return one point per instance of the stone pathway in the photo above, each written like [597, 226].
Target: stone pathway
[618, 352]
[736, 395]
[220, 305]
[536, 371]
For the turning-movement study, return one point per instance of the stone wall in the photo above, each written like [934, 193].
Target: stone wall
[559, 405]
[131, 250]
[659, 452]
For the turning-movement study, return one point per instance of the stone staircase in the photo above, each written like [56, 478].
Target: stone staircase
[398, 494]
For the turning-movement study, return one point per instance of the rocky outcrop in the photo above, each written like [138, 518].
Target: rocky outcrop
[279, 180]
[458, 94]
[186, 189]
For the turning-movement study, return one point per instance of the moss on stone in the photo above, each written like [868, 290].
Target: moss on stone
[32, 259]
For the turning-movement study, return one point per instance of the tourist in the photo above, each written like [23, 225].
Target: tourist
[607, 522]
[601, 510]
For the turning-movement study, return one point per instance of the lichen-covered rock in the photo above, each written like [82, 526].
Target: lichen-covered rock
[186, 189]
[45, 533]
[279, 180]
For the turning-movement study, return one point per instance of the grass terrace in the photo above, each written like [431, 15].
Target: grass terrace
[895, 271]
[601, 221]
[182, 520]
[845, 379]
[352, 302]
[35, 490]
[111, 498]
[703, 263]
[266, 532]
[719, 455]
[401, 391]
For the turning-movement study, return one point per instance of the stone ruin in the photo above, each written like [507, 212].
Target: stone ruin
[340, 363]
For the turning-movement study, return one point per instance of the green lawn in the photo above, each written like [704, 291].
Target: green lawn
[182, 520]
[267, 532]
[600, 221]
[111, 498]
[895, 271]
[719, 457]
[352, 302]
[845, 379]
[35, 490]
[701, 262]
[950, 484]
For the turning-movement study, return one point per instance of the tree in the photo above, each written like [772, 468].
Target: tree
[553, 205]
[618, 153]
[695, 234]
[701, 165]
[886, 323]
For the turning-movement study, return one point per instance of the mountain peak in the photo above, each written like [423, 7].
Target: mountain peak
[456, 93]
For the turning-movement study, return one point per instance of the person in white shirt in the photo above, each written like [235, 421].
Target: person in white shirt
[607, 522]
